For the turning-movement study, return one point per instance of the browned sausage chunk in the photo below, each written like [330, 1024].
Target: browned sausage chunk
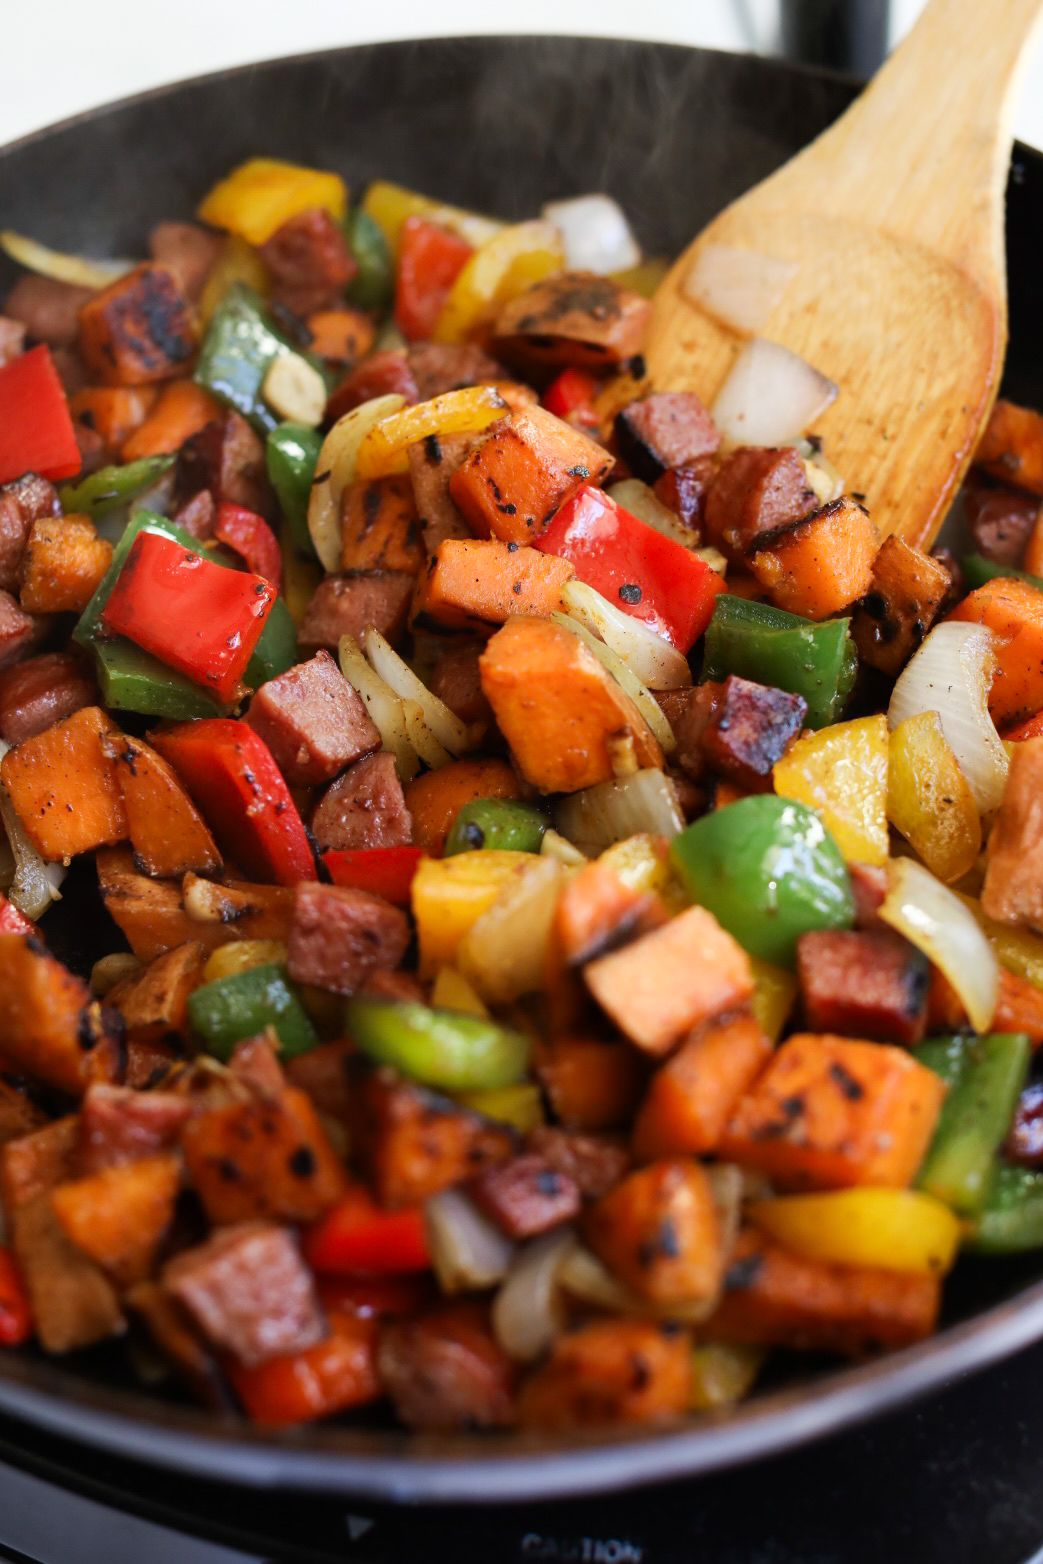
[438, 367]
[457, 681]
[667, 429]
[347, 605]
[26, 500]
[752, 728]
[445, 1370]
[41, 691]
[309, 262]
[863, 985]
[186, 250]
[382, 374]
[594, 1162]
[755, 491]
[527, 1196]
[364, 808]
[339, 936]
[19, 631]
[49, 310]
[118, 1125]
[12, 339]
[312, 720]
[1000, 520]
[227, 458]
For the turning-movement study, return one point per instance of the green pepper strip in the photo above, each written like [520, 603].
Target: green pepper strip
[496, 823]
[373, 286]
[977, 571]
[110, 487]
[241, 1005]
[755, 641]
[985, 1076]
[238, 349]
[1011, 1218]
[450, 1051]
[292, 455]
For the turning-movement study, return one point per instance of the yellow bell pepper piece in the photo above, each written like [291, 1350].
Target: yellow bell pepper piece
[450, 894]
[389, 205]
[1016, 949]
[383, 449]
[452, 991]
[508, 263]
[645, 277]
[842, 772]
[241, 955]
[774, 993]
[520, 1105]
[723, 1374]
[642, 862]
[236, 262]
[300, 577]
[898, 1229]
[263, 193]
[929, 800]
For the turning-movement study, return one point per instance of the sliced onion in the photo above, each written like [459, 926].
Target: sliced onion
[445, 725]
[467, 1250]
[385, 708]
[504, 952]
[76, 269]
[596, 233]
[554, 845]
[420, 736]
[583, 1275]
[628, 681]
[637, 498]
[951, 674]
[714, 558]
[335, 469]
[35, 884]
[651, 659]
[739, 287]
[527, 1311]
[611, 811]
[935, 920]
[823, 479]
[770, 396]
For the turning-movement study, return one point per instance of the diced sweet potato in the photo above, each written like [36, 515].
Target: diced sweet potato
[154, 1003]
[49, 1024]
[1013, 888]
[114, 412]
[1013, 610]
[1011, 448]
[138, 329]
[64, 562]
[591, 1084]
[693, 1095]
[905, 597]
[118, 1217]
[73, 1304]
[658, 1231]
[64, 788]
[265, 1157]
[435, 798]
[525, 468]
[380, 528]
[484, 581]
[817, 566]
[607, 1372]
[573, 318]
[18, 1114]
[35, 1163]
[154, 917]
[830, 1112]
[560, 711]
[774, 1298]
[166, 830]
[182, 411]
[863, 985]
[661, 985]
[340, 336]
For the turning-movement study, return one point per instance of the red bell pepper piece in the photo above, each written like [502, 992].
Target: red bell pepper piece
[252, 538]
[376, 1295]
[16, 1321]
[633, 566]
[231, 773]
[36, 428]
[430, 259]
[14, 922]
[572, 390]
[356, 1235]
[299, 1387]
[200, 618]
[383, 871]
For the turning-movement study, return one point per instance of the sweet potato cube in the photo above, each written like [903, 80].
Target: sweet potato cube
[154, 1003]
[73, 1303]
[573, 318]
[138, 329]
[64, 787]
[817, 566]
[484, 581]
[661, 985]
[113, 412]
[1013, 889]
[35, 1163]
[118, 1217]
[608, 1372]
[591, 1085]
[1011, 448]
[525, 468]
[659, 1232]
[830, 1112]
[561, 712]
[905, 594]
[692, 1096]
[379, 526]
[49, 1024]
[166, 830]
[1013, 610]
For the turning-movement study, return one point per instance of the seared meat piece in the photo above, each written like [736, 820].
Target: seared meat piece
[338, 937]
[364, 808]
[755, 491]
[118, 1125]
[227, 458]
[863, 985]
[347, 605]
[309, 262]
[41, 691]
[527, 1196]
[667, 429]
[22, 502]
[445, 1370]
[313, 721]
[752, 727]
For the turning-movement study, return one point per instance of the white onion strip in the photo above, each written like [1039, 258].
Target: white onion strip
[770, 396]
[595, 232]
[445, 725]
[739, 287]
[467, 1250]
[935, 920]
[627, 680]
[596, 817]
[648, 656]
[74, 269]
[386, 709]
[951, 674]
[527, 1312]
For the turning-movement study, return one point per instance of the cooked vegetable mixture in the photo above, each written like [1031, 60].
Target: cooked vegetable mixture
[575, 893]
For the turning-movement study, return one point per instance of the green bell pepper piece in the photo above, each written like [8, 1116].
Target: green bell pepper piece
[496, 823]
[769, 871]
[985, 1076]
[770, 646]
[441, 1048]
[238, 349]
[131, 679]
[277, 648]
[977, 570]
[292, 454]
[110, 487]
[224, 1012]
[1011, 1218]
[373, 286]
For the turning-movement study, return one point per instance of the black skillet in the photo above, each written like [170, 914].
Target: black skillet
[500, 125]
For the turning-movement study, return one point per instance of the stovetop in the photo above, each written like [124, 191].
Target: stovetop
[957, 1479]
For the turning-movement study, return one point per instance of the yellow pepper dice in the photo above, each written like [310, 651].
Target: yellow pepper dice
[383, 449]
[452, 991]
[896, 1229]
[723, 1373]
[1017, 949]
[449, 895]
[236, 262]
[389, 205]
[842, 772]
[508, 263]
[642, 862]
[929, 799]
[519, 1105]
[263, 193]
[241, 955]
[774, 994]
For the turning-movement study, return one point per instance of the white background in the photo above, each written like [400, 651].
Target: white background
[60, 56]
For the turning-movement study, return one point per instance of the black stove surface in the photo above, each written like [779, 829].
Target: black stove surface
[957, 1479]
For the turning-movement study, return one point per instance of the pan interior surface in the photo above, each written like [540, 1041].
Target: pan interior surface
[500, 125]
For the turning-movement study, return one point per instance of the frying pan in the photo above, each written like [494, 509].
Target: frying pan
[501, 125]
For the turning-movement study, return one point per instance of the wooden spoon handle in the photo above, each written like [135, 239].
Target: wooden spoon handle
[923, 152]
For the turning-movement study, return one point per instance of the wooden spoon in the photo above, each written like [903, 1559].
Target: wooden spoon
[894, 220]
